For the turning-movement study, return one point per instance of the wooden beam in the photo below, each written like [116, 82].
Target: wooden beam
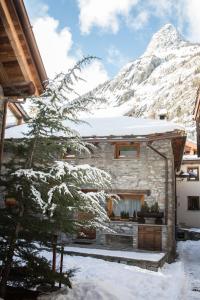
[19, 89]
[15, 41]
[198, 135]
[3, 75]
[16, 112]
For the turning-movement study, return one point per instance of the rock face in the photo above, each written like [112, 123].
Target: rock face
[166, 76]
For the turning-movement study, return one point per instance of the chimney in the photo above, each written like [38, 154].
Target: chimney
[162, 114]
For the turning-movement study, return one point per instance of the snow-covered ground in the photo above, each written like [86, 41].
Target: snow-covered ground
[190, 256]
[96, 279]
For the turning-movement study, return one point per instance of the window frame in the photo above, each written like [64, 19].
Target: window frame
[128, 145]
[189, 205]
[122, 196]
[192, 179]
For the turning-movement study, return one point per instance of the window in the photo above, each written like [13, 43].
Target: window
[125, 208]
[127, 150]
[194, 173]
[193, 202]
[69, 154]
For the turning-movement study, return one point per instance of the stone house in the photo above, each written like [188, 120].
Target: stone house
[188, 193]
[142, 157]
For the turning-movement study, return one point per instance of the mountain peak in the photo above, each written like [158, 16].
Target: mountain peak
[166, 37]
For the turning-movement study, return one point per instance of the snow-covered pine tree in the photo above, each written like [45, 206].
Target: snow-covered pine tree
[48, 190]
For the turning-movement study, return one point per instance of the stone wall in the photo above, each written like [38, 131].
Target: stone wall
[144, 173]
[129, 230]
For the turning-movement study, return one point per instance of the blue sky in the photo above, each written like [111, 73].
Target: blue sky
[117, 31]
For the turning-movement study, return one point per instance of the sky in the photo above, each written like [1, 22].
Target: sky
[116, 31]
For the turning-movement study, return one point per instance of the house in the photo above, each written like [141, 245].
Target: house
[22, 73]
[188, 189]
[142, 156]
[190, 148]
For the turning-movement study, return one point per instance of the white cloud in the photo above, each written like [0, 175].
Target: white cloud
[191, 15]
[55, 46]
[139, 21]
[93, 75]
[36, 9]
[115, 57]
[161, 8]
[103, 13]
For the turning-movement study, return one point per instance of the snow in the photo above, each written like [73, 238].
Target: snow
[190, 256]
[122, 254]
[192, 229]
[96, 279]
[113, 126]
[165, 76]
[191, 157]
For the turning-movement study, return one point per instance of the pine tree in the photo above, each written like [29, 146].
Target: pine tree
[48, 190]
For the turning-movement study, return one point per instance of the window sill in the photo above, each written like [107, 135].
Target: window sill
[123, 159]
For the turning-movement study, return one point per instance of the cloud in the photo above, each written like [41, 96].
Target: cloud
[160, 8]
[93, 75]
[115, 57]
[111, 14]
[55, 46]
[190, 14]
[36, 9]
[103, 13]
[139, 21]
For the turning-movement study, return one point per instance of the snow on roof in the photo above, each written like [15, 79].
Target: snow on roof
[113, 126]
[162, 111]
[191, 157]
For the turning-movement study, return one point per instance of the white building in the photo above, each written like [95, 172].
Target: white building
[188, 193]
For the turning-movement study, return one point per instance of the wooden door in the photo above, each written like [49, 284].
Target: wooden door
[150, 238]
[86, 233]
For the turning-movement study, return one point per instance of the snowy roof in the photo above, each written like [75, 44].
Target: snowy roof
[104, 127]
[191, 157]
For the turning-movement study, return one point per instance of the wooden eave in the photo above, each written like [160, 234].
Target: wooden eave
[18, 111]
[132, 138]
[178, 145]
[197, 106]
[21, 69]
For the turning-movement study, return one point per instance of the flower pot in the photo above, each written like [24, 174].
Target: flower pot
[150, 214]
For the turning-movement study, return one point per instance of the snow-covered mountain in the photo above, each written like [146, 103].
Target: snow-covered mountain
[165, 76]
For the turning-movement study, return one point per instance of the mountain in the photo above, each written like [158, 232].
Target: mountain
[166, 76]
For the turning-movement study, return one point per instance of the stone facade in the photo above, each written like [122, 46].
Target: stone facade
[147, 172]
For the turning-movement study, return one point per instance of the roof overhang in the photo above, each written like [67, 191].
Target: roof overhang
[196, 111]
[178, 144]
[21, 69]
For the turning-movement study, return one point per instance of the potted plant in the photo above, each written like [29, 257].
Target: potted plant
[144, 212]
[155, 209]
[124, 215]
[151, 214]
[134, 219]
